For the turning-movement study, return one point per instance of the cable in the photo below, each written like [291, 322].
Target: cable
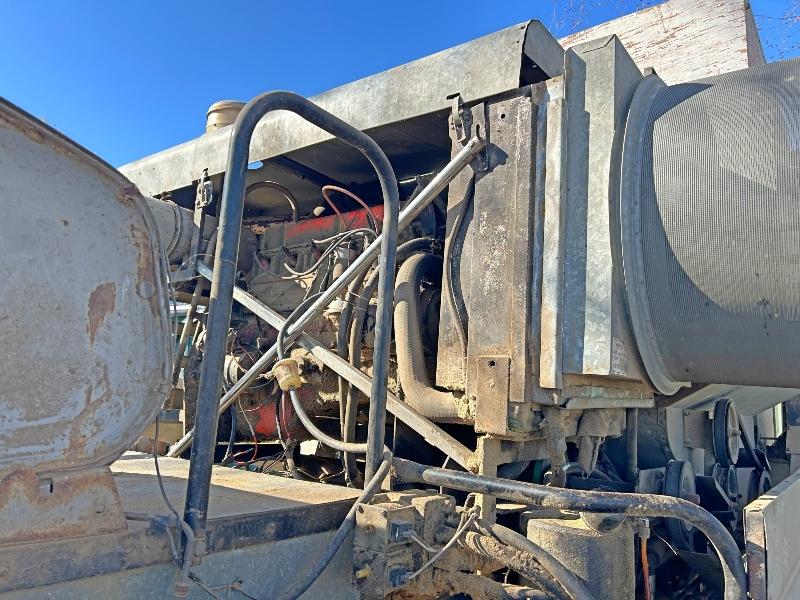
[232, 437]
[349, 194]
[458, 533]
[341, 238]
[338, 239]
[181, 587]
[448, 267]
[372, 486]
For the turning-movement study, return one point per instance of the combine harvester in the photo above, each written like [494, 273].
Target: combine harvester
[520, 319]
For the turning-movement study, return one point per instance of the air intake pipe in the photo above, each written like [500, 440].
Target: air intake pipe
[710, 211]
[411, 371]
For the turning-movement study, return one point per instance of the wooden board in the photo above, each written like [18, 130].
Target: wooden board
[685, 40]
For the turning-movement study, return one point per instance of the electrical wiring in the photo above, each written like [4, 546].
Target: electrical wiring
[351, 195]
[462, 527]
[337, 241]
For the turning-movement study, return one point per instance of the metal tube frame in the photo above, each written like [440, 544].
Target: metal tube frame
[222, 284]
[414, 207]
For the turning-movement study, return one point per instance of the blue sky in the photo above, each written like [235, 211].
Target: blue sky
[129, 78]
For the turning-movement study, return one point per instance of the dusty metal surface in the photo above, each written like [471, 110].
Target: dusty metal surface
[552, 127]
[490, 65]
[600, 79]
[246, 510]
[603, 561]
[233, 491]
[32, 510]
[263, 571]
[685, 40]
[79, 252]
[772, 543]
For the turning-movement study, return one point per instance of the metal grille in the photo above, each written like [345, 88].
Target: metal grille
[719, 194]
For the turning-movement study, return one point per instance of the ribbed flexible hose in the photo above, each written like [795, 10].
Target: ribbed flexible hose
[411, 372]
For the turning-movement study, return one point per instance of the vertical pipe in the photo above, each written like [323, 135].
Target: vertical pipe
[221, 299]
[632, 444]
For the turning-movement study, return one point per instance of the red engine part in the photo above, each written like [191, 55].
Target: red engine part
[266, 425]
[329, 225]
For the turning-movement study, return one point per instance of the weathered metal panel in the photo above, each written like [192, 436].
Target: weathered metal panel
[264, 570]
[600, 79]
[772, 544]
[248, 512]
[72, 505]
[83, 304]
[554, 190]
[496, 267]
[684, 40]
[490, 65]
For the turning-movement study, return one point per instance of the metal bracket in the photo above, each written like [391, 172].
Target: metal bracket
[466, 126]
[461, 117]
[204, 197]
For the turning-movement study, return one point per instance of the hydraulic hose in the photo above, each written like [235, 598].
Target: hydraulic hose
[372, 486]
[565, 578]
[224, 276]
[490, 547]
[635, 505]
[411, 372]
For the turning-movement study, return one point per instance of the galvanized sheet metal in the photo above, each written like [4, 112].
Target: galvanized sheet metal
[84, 329]
[490, 65]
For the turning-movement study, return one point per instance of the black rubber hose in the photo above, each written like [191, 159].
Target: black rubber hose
[490, 547]
[565, 578]
[418, 392]
[341, 338]
[344, 530]
[635, 505]
[360, 309]
[224, 277]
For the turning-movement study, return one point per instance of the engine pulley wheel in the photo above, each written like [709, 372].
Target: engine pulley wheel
[725, 432]
[759, 484]
[679, 481]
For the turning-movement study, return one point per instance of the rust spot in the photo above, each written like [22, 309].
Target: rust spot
[101, 304]
[141, 240]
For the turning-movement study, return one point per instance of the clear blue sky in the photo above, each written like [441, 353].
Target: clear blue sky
[128, 78]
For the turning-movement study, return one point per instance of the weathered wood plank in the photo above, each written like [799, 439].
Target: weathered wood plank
[684, 40]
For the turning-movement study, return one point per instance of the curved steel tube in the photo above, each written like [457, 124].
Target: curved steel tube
[223, 280]
[642, 505]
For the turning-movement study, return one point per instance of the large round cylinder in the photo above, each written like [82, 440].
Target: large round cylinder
[711, 227]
